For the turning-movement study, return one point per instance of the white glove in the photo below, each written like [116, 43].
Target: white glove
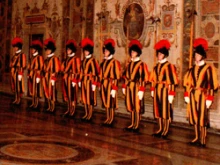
[186, 100]
[73, 84]
[37, 80]
[140, 95]
[152, 93]
[79, 84]
[123, 91]
[19, 77]
[52, 82]
[208, 103]
[170, 98]
[113, 92]
[93, 87]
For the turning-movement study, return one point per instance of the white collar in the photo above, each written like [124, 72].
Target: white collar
[200, 63]
[109, 57]
[18, 51]
[50, 55]
[89, 56]
[135, 59]
[163, 60]
[35, 54]
[71, 55]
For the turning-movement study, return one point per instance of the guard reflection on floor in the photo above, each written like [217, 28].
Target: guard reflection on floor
[34, 137]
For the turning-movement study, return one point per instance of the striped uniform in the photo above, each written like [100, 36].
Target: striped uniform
[89, 75]
[51, 69]
[71, 70]
[136, 77]
[109, 76]
[35, 71]
[17, 65]
[163, 79]
[200, 83]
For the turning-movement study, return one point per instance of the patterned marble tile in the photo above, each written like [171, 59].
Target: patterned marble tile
[35, 137]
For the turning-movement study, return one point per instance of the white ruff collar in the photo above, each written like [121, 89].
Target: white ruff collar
[35, 54]
[163, 60]
[200, 63]
[71, 55]
[18, 51]
[50, 55]
[109, 57]
[89, 56]
[135, 59]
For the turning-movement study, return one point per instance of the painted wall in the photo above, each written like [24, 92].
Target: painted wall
[118, 16]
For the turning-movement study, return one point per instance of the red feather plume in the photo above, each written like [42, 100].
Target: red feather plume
[17, 40]
[111, 41]
[135, 42]
[37, 42]
[202, 42]
[162, 44]
[71, 42]
[49, 40]
[86, 41]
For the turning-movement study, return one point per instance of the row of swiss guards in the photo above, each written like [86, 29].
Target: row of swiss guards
[42, 74]
[87, 75]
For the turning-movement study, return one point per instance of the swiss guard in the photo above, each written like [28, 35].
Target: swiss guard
[35, 73]
[51, 70]
[89, 78]
[163, 80]
[17, 65]
[200, 82]
[109, 77]
[71, 75]
[136, 77]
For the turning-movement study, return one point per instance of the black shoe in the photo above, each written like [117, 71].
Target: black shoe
[88, 120]
[195, 143]
[127, 129]
[164, 136]
[135, 130]
[110, 125]
[103, 124]
[203, 145]
[31, 106]
[157, 134]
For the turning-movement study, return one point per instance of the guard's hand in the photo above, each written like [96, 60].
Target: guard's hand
[208, 103]
[37, 80]
[123, 91]
[170, 99]
[93, 87]
[79, 84]
[73, 84]
[140, 95]
[186, 98]
[113, 92]
[19, 77]
[52, 82]
[152, 93]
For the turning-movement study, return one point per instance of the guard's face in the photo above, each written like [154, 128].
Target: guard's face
[48, 51]
[15, 48]
[86, 52]
[160, 56]
[134, 54]
[106, 53]
[69, 51]
[33, 50]
[198, 57]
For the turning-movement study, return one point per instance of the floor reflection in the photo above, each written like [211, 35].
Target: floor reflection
[34, 137]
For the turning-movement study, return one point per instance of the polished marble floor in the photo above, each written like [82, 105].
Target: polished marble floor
[33, 137]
